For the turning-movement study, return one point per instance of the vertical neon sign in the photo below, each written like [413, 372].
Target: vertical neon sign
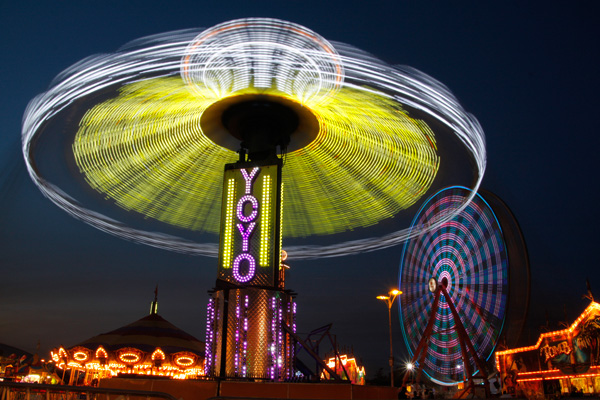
[250, 224]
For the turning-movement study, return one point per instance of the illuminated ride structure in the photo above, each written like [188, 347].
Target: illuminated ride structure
[563, 362]
[147, 130]
[249, 306]
[455, 282]
[148, 347]
[345, 365]
[142, 141]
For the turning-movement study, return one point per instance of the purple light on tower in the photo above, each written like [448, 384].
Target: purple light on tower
[273, 337]
[237, 335]
[210, 335]
[241, 208]
[245, 338]
[251, 267]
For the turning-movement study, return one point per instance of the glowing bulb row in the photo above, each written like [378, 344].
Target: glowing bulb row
[551, 336]
[265, 223]
[128, 357]
[227, 250]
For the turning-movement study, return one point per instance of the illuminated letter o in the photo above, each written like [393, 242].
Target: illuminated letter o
[251, 267]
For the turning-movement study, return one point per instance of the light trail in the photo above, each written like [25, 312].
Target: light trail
[337, 82]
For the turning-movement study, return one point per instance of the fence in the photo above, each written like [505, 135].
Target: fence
[33, 391]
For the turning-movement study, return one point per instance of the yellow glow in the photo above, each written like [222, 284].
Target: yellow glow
[227, 250]
[62, 353]
[265, 222]
[158, 355]
[101, 353]
[180, 365]
[557, 374]
[74, 364]
[129, 357]
[80, 356]
[350, 365]
[383, 297]
[396, 292]
[184, 359]
[145, 149]
[281, 220]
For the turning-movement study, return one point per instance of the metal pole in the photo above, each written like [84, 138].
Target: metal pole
[391, 347]
[389, 300]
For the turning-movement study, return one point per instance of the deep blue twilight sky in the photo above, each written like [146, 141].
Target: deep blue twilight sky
[528, 72]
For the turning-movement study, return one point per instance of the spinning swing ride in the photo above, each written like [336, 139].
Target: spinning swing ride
[146, 131]
[143, 128]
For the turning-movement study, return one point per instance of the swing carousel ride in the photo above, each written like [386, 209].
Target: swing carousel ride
[134, 143]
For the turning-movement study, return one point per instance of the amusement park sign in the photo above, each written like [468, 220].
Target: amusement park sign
[568, 353]
[250, 242]
[551, 351]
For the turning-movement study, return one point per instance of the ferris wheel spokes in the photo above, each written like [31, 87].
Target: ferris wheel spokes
[466, 346]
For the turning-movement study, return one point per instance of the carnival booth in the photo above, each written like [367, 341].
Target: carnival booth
[347, 368]
[151, 347]
[561, 362]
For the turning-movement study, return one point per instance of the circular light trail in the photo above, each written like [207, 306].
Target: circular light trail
[143, 146]
[468, 256]
[264, 54]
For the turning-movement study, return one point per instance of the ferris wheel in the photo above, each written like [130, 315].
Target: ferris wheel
[454, 279]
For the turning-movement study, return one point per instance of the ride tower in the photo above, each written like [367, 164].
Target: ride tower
[249, 304]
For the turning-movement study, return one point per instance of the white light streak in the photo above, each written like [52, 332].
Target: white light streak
[233, 56]
[263, 53]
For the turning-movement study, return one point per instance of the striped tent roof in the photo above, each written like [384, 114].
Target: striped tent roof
[147, 334]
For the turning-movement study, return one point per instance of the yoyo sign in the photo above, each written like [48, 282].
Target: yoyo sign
[250, 224]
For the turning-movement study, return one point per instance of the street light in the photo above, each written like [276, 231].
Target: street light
[389, 299]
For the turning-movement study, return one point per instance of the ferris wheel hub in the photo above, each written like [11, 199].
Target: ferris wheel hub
[433, 285]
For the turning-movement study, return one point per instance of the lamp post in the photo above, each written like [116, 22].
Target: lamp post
[389, 299]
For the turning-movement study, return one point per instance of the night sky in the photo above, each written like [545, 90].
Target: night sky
[529, 73]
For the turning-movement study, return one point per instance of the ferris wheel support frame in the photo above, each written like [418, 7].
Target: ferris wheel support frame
[466, 345]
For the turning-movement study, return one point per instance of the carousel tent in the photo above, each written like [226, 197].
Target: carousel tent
[148, 346]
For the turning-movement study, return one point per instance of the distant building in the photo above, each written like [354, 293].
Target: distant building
[561, 362]
[347, 368]
[12, 360]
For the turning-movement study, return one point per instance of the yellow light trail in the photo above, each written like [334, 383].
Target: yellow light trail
[144, 147]
[146, 150]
